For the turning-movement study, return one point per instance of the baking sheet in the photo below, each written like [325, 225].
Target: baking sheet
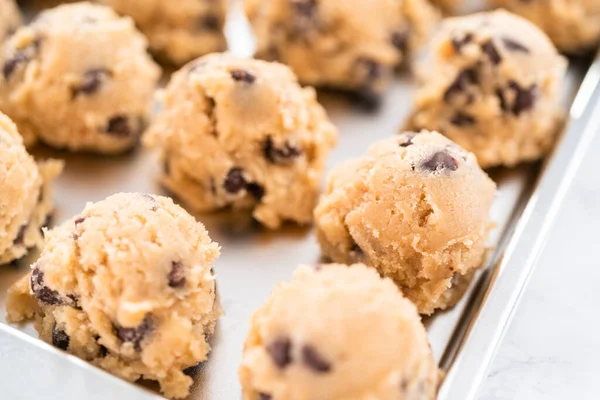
[254, 260]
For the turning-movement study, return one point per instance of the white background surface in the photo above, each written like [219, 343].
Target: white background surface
[552, 348]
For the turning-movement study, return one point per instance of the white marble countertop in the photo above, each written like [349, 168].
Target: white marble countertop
[552, 346]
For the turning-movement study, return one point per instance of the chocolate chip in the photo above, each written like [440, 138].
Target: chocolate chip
[408, 137]
[525, 97]
[279, 155]
[120, 126]
[20, 235]
[314, 360]
[459, 43]
[438, 162]
[400, 39]
[513, 45]
[256, 190]
[490, 50]
[60, 338]
[280, 352]
[41, 291]
[235, 181]
[79, 220]
[460, 85]
[22, 56]
[462, 119]
[209, 22]
[92, 82]
[241, 75]
[306, 8]
[372, 70]
[103, 351]
[136, 334]
[264, 396]
[176, 275]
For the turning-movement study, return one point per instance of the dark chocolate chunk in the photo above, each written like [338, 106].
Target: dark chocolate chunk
[400, 39]
[280, 352]
[209, 22]
[241, 75]
[177, 275]
[60, 338]
[21, 56]
[136, 334]
[372, 70]
[460, 85]
[313, 360]
[255, 190]
[42, 292]
[79, 220]
[408, 137]
[103, 351]
[462, 119]
[439, 161]
[235, 181]
[92, 82]
[264, 396]
[459, 42]
[119, 126]
[279, 155]
[491, 51]
[525, 97]
[20, 235]
[305, 8]
[513, 45]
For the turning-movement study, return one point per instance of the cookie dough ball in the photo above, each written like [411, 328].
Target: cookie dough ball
[347, 44]
[242, 133]
[573, 25]
[26, 200]
[337, 333]
[178, 30]
[79, 78]
[127, 285]
[9, 18]
[491, 83]
[416, 208]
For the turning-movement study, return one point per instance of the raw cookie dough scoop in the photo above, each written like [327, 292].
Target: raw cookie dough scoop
[416, 208]
[491, 83]
[127, 285]
[25, 194]
[79, 78]
[337, 333]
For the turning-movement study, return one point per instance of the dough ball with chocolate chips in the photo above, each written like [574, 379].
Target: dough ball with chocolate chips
[79, 78]
[491, 82]
[242, 133]
[25, 194]
[10, 18]
[573, 25]
[416, 208]
[336, 332]
[127, 285]
[178, 30]
[353, 45]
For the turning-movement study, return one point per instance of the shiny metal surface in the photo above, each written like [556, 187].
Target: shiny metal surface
[253, 260]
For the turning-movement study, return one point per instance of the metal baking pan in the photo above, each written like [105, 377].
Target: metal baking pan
[463, 339]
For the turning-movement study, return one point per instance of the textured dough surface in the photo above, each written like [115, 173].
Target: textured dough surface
[26, 194]
[348, 44]
[127, 285]
[416, 208]
[491, 82]
[242, 133]
[337, 333]
[573, 25]
[79, 78]
[10, 18]
[178, 30]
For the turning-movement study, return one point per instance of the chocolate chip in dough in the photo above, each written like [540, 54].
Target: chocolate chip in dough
[313, 360]
[234, 181]
[280, 352]
[279, 155]
[241, 75]
[136, 334]
[177, 275]
[439, 161]
[92, 82]
[60, 338]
